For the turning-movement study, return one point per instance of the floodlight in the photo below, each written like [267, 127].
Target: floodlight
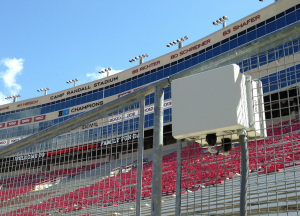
[45, 89]
[141, 57]
[72, 81]
[13, 96]
[179, 41]
[106, 70]
[221, 20]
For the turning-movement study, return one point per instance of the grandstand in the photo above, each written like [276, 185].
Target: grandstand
[94, 149]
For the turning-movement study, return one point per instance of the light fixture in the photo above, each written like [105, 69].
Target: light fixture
[73, 81]
[221, 20]
[179, 41]
[14, 97]
[45, 89]
[141, 57]
[106, 71]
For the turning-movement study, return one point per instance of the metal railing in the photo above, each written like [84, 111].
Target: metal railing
[110, 171]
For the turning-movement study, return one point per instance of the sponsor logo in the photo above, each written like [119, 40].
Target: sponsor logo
[27, 103]
[115, 119]
[150, 109]
[89, 146]
[131, 114]
[11, 141]
[25, 121]
[167, 104]
[12, 123]
[91, 125]
[30, 156]
[57, 96]
[2, 125]
[4, 108]
[119, 139]
[3, 142]
[106, 81]
[78, 90]
[63, 112]
[123, 94]
[128, 92]
[88, 106]
[39, 118]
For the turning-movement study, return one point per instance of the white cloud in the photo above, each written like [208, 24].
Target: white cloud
[96, 75]
[14, 68]
[2, 99]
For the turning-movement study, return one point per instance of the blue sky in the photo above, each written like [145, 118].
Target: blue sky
[45, 43]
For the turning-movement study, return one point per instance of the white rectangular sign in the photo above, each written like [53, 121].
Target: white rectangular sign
[114, 119]
[131, 114]
[11, 141]
[3, 142]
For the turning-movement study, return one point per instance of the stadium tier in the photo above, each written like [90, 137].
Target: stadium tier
[92, 167]
[199, 172]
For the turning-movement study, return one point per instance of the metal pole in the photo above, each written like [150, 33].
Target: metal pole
[178, 179]
[15, 99]
[249, 102]
[45, 92]
[179, 44]
[224, 24]
[74, 83]
[157, 151]
[141, 60]
[140, 157]
[245, 171]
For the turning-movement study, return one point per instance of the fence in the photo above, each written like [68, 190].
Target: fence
[103, 162]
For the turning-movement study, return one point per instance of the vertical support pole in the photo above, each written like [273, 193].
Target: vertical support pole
[250, 102]
[141, 60]
[157, 152]
[178, 179]
[245, 171]
[140, 157]
[179, 44]
[224, 24]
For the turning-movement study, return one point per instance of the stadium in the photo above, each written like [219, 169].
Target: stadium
[107, 147]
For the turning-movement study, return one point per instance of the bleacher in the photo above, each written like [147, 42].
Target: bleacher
[200, 169]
